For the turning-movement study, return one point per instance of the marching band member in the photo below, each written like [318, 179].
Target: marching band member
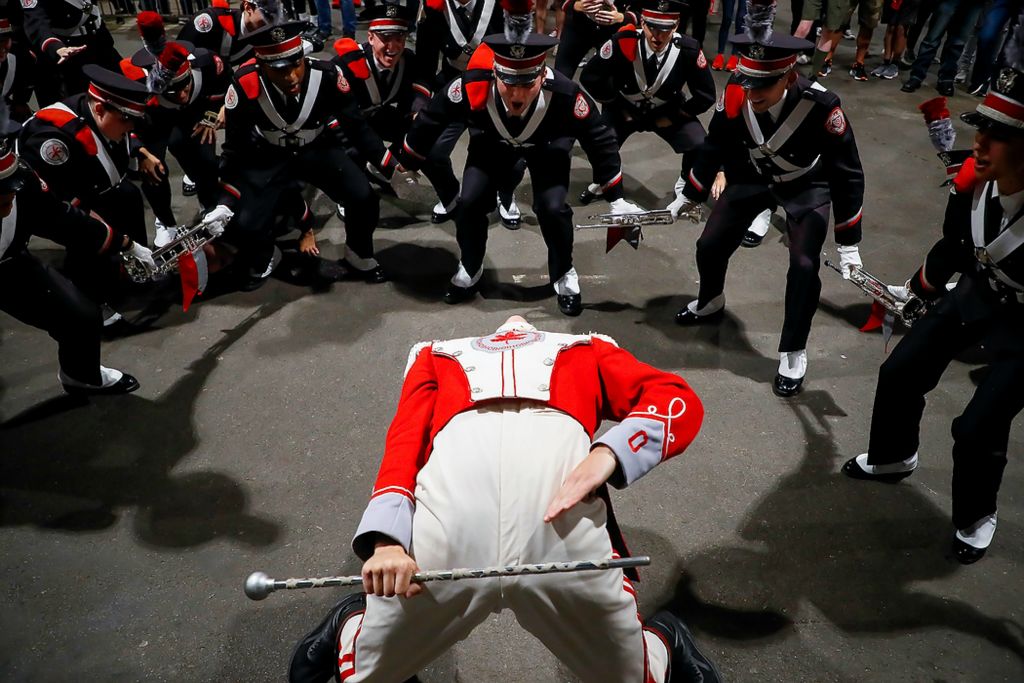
[285, 113]
[17, 72]
[511, 417]
[780, 139]
[66, 35]
[38, 295]
[80, 148]
[516, 108]
[983, 240]
[588, 25]
[219, 28]
[640, 76]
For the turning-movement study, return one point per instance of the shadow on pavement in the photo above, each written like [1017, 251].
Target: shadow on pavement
[120, 452]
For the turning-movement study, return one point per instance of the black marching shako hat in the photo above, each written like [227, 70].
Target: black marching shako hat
[662, 14]
[391, 17]
[279, 45]
[765, 56]
[520, 61]
[1003, 105]
[117, 91]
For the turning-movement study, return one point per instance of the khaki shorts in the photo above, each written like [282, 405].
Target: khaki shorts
[836, 12]
[869, 12]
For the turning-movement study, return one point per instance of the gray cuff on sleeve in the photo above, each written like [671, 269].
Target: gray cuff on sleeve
[389, 514]
[638, 443]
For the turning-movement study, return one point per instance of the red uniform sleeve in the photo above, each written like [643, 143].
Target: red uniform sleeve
[406, 449]
[659, 414]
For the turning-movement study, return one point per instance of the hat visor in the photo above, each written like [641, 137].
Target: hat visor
[748, 82]
[980, 119]
[660, 24]
[282, 62]
[518, 79]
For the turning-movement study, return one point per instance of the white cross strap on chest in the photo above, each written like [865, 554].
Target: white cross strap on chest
[10, 225]
[284, 132]
[539, 112]
[647, 92]
[12, 67]
[769, 149]
[1005, 243]
[102, 153]
[509, 364]
[396, 83]
[469, 43]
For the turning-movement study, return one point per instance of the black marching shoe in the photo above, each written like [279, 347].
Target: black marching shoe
[586, 197]
[911, 86]
[438, 217]
[456, 295]
[315, 659]
[751, 239]
[966, 553]
[126, 385]
[188, 188]
[784, 387]
[687, 664]
[570, 304]
[852, 469]
[373, 276]
[687, 317]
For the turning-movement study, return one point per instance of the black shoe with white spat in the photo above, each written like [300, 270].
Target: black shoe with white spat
[687, 664]
[315, 659]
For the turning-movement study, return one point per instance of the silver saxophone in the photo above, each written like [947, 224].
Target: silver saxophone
[166, 257]
[625, 220]
[907, 311]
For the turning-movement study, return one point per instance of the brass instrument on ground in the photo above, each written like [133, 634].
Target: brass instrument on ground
[166, 257]
[626, 220]
[906, 311]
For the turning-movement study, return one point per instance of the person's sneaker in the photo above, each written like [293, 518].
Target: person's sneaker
[980, 91]
[945, 88]
[849, 34]
[891, 71]
[961, 76]
[803, 59]
[733, 63]
[858, 73]
[825, 69]
[110, 316]
[907, 59]
[879, 70]
[911, 86]
[719, 62]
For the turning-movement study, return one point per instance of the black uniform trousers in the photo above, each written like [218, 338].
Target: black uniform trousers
[56, 82]
[723, 233]
[262, 178]
[99, 275]
[39, 296]
[197, 160]
[683, 138]
[579, 36]
[981, 433]
[489, 167]
[441, 153]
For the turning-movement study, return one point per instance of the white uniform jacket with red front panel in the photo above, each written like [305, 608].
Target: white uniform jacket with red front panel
[586, 376]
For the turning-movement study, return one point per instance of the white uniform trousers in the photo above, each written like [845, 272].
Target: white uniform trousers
[480, 501]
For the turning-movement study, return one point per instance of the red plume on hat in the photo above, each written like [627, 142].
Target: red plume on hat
[151, 28]
[170, 67]
[518, 19]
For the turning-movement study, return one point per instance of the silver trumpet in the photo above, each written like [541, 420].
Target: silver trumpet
[259, 585]
[905, 311]
[166, 257]
[625, 220]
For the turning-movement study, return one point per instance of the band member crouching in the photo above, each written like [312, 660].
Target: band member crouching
[785, 141]
[983, 240]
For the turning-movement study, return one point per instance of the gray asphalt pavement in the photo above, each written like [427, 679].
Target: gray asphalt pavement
[127, 525]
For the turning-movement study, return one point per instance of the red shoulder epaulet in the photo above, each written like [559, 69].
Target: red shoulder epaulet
[131, 71]
[477, 87]
[436, 5]
[250, 82]
[220, 4]
[965, 180]
[627, 41]
[65, 120]
[353, 57]
[57, 117]
[735, 96]
[227, 22]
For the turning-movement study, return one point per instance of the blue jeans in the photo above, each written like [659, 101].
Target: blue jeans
[996, 15]
[348, 17]
[323, 16]
[727, 11]
[958, 17]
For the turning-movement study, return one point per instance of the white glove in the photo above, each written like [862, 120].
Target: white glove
[144, 255]
[901, 293]
[216, 220]
[681, 206]
[621, 206]
[849, 258]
